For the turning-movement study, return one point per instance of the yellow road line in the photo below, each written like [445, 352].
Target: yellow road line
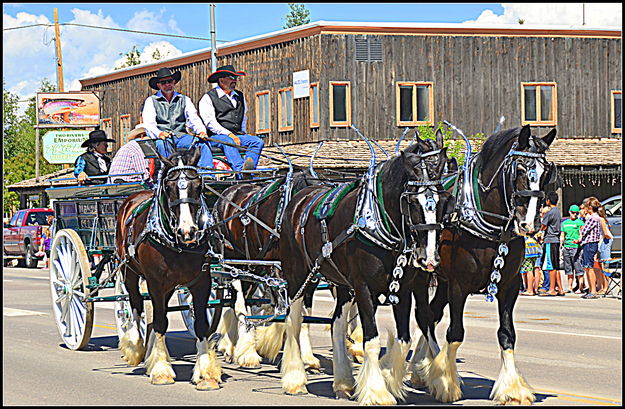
[608, 402]
[615, 401]
[105, 326]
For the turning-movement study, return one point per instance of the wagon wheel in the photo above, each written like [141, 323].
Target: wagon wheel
[212, 313]
[69, 277]
[123, 310]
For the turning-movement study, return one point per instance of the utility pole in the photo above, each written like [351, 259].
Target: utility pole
[213, 41]
[59, 59]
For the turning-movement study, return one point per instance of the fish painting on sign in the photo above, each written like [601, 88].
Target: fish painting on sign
[68, 108]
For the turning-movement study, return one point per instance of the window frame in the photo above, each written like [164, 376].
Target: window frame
[106, 125]
[314, 124]
[613, 129]
[281, 94]
[554, 103]
[348, 105]
[415, 121]
[260, 130]
[123, 130]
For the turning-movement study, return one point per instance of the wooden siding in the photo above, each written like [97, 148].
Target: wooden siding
[476, 79]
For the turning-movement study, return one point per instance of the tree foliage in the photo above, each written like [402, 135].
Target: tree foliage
[455, 147]
[298, 15]
[19, 143]
[133, 57]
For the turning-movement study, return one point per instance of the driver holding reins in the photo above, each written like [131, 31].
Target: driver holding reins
[168, 113]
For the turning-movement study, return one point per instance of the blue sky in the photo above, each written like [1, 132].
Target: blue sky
[90, 52]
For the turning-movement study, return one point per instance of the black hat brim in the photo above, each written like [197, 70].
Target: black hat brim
[96, 140]
[176, 76]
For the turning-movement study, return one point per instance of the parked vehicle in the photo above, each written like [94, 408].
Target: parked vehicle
[22, 237]
[613, 209]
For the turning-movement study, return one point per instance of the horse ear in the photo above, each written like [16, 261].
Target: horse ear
[452, 165]
[196, 156]
[524, 137]
[550, 137]
[164, 160]
[439, 138]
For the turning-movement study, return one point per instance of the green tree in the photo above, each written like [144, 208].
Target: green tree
[10, 121]
[298, 15]
[456, 148]
[133, 57]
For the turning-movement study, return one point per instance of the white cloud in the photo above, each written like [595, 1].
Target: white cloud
[594, 15]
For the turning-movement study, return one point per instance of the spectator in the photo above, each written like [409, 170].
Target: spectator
[550, 258]
[571, 250]
[591, 236]
[532, 253]
[131, 159]
[94, 162]
[605, 247]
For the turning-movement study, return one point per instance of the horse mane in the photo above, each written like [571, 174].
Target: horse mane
[498, 142]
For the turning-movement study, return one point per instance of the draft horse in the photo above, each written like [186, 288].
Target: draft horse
[245, 238]
[499, 198]
[362, 257]
[167, 246]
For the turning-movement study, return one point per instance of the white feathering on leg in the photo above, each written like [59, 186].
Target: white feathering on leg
[510, 386]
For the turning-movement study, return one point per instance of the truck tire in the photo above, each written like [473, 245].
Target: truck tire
[30, 260]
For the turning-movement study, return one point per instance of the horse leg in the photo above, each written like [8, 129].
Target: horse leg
[355, 340]
[245, 349]
[310, 361]
[228, 329]
[343, 384]
[510, 387]
[131, 344]
[393, 363]
[370, 384]
[158, 363]
[427, 347]
[207, 371]
[443, 380]
[292, 369]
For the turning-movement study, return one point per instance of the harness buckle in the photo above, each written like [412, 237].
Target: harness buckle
[326, 250]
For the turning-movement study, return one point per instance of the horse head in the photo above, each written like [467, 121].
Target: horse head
[181, 187]
[525, 173]
[427, 202]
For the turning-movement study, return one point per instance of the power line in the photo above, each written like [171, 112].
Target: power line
[115, 29]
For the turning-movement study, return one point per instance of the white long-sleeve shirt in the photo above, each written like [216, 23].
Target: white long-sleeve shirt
[207, 112]
[149, 116]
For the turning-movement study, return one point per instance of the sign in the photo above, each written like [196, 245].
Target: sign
[56, 109]
[301, 84]
[63, 146]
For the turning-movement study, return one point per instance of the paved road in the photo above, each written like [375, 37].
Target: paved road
[568, 349]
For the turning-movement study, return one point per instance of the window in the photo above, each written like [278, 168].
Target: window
[124, 127]
[616, 110]
[107, 126]
[314, 105]
[340, 104]
[263, 124]
[539, 103]
[285, 109]
[415, 103]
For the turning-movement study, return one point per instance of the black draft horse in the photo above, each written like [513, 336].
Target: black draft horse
[167, 247]
[500, 202]
[409, 192]
[247, 239]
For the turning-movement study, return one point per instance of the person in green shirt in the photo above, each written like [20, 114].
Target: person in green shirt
[571, 250]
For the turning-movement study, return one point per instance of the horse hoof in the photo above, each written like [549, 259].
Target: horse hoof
[297, 392]
[251, 366]
[207, 385]
[342, 395]
[313, 370]
[161, 380]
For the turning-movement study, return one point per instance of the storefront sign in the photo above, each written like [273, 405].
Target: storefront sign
[301, 84]
[63, 146]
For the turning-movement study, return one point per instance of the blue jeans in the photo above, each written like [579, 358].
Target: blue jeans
[253, 145]
[184, 141]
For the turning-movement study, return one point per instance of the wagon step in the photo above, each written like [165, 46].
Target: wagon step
[282, 318]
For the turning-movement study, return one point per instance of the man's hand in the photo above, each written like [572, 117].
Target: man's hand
[82, 177]
[235, 138]
[164, 135]
[203, 136]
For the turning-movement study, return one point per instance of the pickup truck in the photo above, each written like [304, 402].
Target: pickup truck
[22, 236]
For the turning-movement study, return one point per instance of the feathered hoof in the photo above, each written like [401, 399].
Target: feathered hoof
[523, 397]
[379, 398]
[345, 395]
[162, 374]
[296, 391]
[251, 362]
[447, 393]
[314, 366]
[207, 385]
[132, 347]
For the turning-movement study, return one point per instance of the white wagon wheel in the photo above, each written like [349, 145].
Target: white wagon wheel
[70, 270]
[184, 297]
[123, 310]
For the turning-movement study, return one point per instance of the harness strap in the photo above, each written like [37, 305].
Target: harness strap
[185, 200]
[303, 221]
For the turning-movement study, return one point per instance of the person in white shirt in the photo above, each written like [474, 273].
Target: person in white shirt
[169, 112]
[224, 112]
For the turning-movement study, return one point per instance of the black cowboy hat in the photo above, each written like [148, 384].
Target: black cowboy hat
[163, 73]
[95, 137]
[224, 71]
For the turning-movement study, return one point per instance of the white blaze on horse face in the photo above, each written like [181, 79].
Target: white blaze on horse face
[532, 207]
[429, 211]
[185, 221]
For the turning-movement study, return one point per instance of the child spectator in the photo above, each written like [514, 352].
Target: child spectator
[571, 250]
[532, 253]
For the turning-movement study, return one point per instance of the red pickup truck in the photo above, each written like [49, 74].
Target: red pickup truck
[22, 237]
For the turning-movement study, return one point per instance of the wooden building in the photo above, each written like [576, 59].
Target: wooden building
[382, 77]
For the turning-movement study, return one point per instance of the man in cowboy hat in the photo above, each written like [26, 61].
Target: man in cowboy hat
[224, 112]
[131, 159]
[168, 112]
[94, 162]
